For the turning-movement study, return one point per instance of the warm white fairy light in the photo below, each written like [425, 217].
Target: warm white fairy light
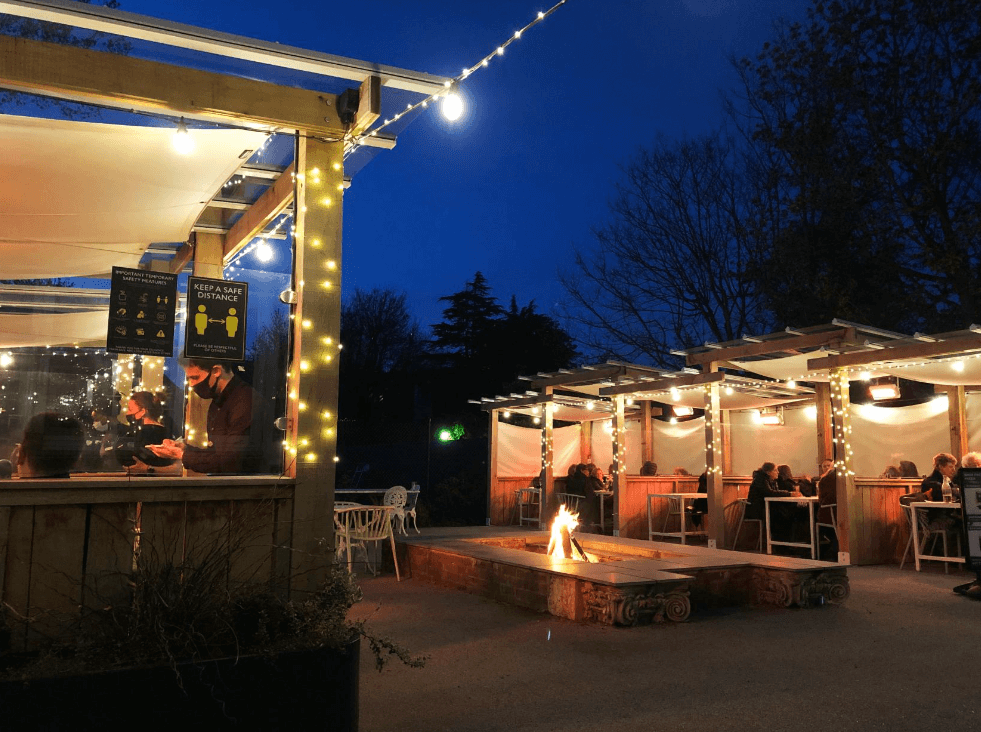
[450, 86]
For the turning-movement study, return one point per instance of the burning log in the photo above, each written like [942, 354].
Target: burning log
[578, 546]
[562, 542]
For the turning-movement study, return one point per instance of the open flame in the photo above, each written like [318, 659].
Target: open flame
[562, 544]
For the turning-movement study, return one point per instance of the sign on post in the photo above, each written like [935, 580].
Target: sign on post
[971, 507]
[216, 315]
[142, 307]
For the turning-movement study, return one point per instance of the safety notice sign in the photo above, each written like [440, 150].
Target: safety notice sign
[142, 307]
[216, 319]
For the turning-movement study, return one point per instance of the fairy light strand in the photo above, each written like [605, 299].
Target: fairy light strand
[354, 141]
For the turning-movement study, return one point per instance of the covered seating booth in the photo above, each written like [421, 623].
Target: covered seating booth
[270, 163]
[802, 374]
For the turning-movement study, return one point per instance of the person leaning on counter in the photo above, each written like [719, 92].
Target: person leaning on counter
[232, 447]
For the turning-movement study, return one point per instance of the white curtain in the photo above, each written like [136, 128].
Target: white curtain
[793, 443]
[883, 436]
[679, 445]
[519, 450]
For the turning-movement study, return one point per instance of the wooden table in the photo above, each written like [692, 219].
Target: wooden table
[916, 534]
[811, 502]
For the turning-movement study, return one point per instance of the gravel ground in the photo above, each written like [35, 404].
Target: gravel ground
[900, 654]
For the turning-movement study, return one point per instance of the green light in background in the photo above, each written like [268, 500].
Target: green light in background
[449, 434]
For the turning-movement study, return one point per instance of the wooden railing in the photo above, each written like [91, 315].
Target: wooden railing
[881, 541]
[70, 544]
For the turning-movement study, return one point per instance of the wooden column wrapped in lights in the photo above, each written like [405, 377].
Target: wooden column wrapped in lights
[208, 259]
[825, 428]
[851, 516]
[619, 458]
[311, 434]
[713, 465]
[958, 421]
[547, 475]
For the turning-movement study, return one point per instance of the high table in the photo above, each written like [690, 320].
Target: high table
[811, 502]
[916, 534]
[602, 500]
[677, 503]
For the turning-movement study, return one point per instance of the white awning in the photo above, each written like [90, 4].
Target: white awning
[77, 198]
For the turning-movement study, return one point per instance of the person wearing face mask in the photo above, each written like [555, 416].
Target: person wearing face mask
[143, 413]
[231, 447]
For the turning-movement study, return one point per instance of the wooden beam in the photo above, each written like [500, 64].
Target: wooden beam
[183, 255]
[269, 205]
[529, 401]
[492, 432]
[713, 469]
[952, 346]
[619, 461]
[830, 338]
[588, 377]
[646, 440]
[122, 82]
[825, 429]
[369, 105]
[851, 515]
[664, 384]
[547, 476]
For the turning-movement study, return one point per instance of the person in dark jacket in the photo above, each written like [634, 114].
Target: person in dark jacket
[699, 507]
[589, 506]
[764, 485]
[235, 445]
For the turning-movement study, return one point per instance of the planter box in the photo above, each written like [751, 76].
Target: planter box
[299, 690]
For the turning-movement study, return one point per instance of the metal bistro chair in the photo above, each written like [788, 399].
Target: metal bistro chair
[926, 532]
[743, 502]
[396, 497]
[530, 500]
[411, 499]
[361, 524]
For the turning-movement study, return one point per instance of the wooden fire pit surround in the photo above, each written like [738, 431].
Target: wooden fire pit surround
[632, 582]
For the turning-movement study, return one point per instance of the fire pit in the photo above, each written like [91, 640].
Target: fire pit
[614, 581]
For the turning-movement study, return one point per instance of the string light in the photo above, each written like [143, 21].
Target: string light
[451, 86]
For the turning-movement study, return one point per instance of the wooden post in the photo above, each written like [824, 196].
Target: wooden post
[646, 437]
[958, 421]
[713, 464]
[726, 422]
[492, 488]
[851, 511]
[547, 476]
[208, 254]
[825, 428]
[312, 432]
[586, 443]
[619, 459]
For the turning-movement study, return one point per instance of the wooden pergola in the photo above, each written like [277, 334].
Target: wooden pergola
[803, 365]
[311, 187]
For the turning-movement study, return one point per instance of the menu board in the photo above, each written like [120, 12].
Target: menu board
[216, 314]
[142, 307]
[971, 506]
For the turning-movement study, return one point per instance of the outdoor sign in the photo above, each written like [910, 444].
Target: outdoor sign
[971, 506]
[142, 307]
[216, 312]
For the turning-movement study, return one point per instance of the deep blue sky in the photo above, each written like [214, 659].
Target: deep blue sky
[530, 170]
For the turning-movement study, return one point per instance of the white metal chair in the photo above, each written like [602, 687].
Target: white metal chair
[411, 499]
[743, 502]
[361, 524]
[396, 497]
[833, 507]
[925, 533]
[530, 500]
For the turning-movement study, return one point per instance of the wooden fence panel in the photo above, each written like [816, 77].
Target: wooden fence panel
[56, 567]
[109, 554]
[16, 593]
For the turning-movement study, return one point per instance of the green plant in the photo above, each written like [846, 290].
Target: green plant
[191, 610]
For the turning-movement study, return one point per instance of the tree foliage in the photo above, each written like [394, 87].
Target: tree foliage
[39, 30]
[673, 267]
[864, 124]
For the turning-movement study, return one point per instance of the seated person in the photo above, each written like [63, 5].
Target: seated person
[6, 469]
[52, 444]
[891, 471]
[931, 489]
[764, 486]
[648, 468]
[681, 471]
[907, 469]
[576, 484]
[589, 507]
[143, 412]
[787, 482]
[699, 507]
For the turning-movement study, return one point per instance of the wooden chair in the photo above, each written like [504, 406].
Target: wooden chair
[743, 502]
[362, 524]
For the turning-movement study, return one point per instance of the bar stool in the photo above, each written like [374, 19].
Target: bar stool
[743, 502]
[529, 499]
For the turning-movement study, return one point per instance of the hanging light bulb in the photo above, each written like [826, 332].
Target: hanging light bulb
[452, 106]
[264, 252]
[183, 142]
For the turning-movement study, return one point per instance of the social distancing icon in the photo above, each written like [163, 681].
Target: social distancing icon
[216, 324]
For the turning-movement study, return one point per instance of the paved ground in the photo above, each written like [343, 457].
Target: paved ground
[903, 653]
